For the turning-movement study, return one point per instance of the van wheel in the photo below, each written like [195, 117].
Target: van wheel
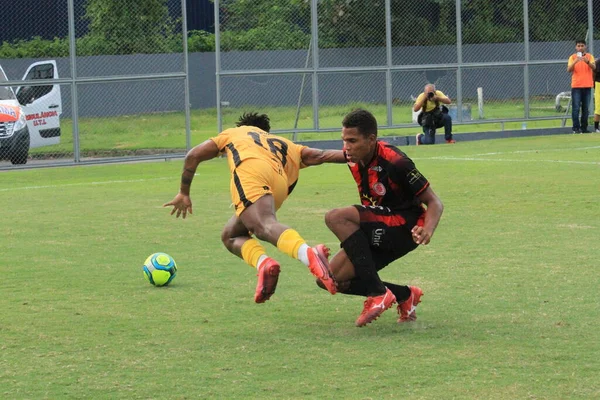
[21, 153]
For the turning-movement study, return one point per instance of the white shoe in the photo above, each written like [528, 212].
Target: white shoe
[597, 131]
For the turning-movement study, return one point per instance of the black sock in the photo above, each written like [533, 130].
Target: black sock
[356, 287]
[359, 253]
[596, 123]
[401, 292]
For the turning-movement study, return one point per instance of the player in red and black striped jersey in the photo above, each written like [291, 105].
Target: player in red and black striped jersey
[390, 221]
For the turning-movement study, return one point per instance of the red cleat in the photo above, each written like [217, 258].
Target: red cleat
[450, 141]
[268, 274]
[374, 307]
[319, 267]
[407, 309]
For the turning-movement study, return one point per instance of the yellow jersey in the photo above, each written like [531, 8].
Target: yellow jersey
[430, 105]
[245, 142]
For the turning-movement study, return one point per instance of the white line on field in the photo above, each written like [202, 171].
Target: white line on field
[508, 160]
[85, 184]
[535, 151]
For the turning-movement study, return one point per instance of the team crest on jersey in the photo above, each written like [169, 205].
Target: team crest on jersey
[379, 188]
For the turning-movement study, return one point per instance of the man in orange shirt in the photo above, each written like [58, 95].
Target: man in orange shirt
[581, 65]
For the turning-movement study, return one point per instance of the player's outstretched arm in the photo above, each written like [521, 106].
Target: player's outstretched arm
[435, 208]
[182, 203]
[311, 156]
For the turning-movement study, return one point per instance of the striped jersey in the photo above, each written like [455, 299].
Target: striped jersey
[390, 180]
[246, 142]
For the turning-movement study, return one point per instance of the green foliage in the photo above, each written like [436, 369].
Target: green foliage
[260, 25]
[36, 47]
[200, 41]
[558, 20]
[489, 21]
[265, 38]
[129, 26]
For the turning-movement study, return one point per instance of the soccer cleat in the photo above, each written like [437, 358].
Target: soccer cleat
[597, 131]
[374, 307]
[576, 131]
[407, 309]
[319, 267]
[418, 139]
[450, 141]
[268, 274]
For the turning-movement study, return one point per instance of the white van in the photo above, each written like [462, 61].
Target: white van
[30, 117]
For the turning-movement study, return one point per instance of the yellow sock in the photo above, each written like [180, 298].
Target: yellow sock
[289, 242]
[252, 250]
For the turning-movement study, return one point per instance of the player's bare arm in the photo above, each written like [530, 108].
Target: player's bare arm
[311, 156]
[182, 203]
[422, 234]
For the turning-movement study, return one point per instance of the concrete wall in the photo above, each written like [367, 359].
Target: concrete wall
[138, 96]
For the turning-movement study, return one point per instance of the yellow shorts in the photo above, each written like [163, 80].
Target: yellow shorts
[253, 179]
[597, 98]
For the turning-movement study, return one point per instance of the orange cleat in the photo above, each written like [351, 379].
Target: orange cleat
[319, 267]
[407, 309]
[268, 274]
[374, 307]
[450, 141]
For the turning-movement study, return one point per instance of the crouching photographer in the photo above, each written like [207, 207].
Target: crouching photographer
[433, 115]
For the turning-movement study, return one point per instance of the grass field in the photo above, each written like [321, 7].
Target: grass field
[166, 131]
[511, 305]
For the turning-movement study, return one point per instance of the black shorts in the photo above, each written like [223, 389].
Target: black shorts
[389, 232]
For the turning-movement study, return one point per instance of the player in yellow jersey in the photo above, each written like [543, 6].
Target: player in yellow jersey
[264, 170]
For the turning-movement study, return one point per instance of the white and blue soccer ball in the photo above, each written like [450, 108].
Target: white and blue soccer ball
[160, 269]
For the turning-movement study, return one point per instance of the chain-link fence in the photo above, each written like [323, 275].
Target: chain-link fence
[500, 62]
[92, 81]
[103, 80]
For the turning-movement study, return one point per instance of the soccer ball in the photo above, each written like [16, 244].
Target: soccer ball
[160, 269]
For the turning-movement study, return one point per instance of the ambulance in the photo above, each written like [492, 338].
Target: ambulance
[29, 116]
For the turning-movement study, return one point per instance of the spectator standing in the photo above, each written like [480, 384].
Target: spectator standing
[596, 100]
[581, 65]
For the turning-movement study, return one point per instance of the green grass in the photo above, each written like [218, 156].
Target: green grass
[165, 132]
[510, 279]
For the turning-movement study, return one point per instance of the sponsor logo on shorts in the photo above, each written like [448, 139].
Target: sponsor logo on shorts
[377, 236]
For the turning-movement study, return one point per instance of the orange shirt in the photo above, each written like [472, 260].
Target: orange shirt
[582, 75]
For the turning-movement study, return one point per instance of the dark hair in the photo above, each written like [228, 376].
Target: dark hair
[580, 41]
[363, 120]
[261, 121]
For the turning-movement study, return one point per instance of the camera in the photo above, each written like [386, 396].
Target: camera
[430, 95]
[579, 54]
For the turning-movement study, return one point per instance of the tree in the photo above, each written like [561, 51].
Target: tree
[264, 25]
[129, 26]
